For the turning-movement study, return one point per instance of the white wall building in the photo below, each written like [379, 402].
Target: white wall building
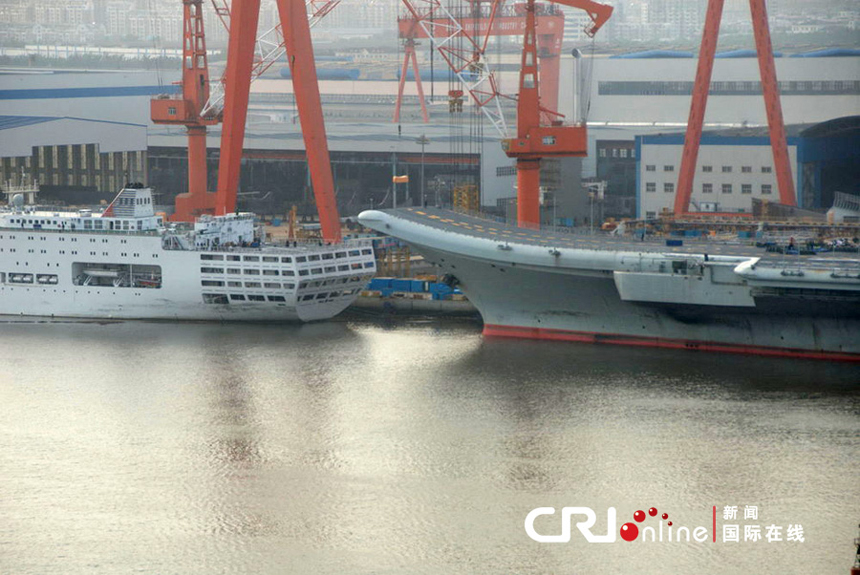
[736, 166]
[730, 172]
[628, 96]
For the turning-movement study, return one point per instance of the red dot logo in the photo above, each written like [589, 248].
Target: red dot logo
[652, 512]
[629, 531]
[665, 516]
[639, 516]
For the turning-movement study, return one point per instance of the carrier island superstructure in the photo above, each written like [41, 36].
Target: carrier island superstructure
[127, 263]
[545, 285]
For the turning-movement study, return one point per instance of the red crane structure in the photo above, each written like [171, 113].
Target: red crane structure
[770, 90]
[535, 141]
[187, 110]
[479, 25]
[294, 39]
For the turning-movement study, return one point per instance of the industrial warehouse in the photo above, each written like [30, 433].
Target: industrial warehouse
[367, 146]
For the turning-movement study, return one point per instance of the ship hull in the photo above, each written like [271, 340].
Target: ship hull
[526, 291]
[539, 303]
[189, 287]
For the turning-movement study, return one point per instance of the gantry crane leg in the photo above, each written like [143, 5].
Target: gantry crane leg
[773, 108]
[240, 60]
[237, 86]
[409, 57]
[300, 55]
[699, 102]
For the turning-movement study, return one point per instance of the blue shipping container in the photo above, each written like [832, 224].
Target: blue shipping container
[380, 283]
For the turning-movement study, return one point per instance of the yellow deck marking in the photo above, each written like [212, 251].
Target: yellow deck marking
[419, 212]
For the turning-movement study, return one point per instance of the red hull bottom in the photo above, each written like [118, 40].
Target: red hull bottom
[620, 339]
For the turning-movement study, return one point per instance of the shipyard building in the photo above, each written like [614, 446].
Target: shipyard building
[735, 167]
[643, 100]
[634, 105]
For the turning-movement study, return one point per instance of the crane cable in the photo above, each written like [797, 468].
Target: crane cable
[588, 82]
[155, 43]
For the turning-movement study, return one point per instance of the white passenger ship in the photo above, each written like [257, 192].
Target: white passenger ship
[126, 262]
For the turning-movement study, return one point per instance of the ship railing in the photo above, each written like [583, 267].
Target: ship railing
[13, 228]
[836, 265]
[303, 245]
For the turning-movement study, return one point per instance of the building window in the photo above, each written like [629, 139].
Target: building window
[727, 188]
[707, 188]
[650, 214]
[602, 152]
[650, 168]
[669, 188]
[614, 152]
[707, 168]
[623, 152]
[503, 171]
[746, 188]
[766, 169]
[727, 169]
[766, 189]
[650, 187]
[668, 168]
[746, 169]
[171, 110]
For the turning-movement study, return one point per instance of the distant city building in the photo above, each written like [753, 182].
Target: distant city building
[645, 21]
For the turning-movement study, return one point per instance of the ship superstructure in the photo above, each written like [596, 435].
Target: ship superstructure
[731, 298]
[126, 262]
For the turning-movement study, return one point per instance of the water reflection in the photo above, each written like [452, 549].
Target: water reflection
[355, 448]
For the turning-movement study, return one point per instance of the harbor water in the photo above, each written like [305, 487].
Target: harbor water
[357, 447]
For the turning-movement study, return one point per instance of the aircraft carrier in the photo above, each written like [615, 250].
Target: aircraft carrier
[706, 296]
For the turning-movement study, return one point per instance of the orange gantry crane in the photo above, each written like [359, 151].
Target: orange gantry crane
[464, 52]
[242, 19]
[535, 141]
[770, 90]
[187, 110]
[480, 24]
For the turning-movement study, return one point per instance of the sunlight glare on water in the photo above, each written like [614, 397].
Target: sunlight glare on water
[412, 448]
